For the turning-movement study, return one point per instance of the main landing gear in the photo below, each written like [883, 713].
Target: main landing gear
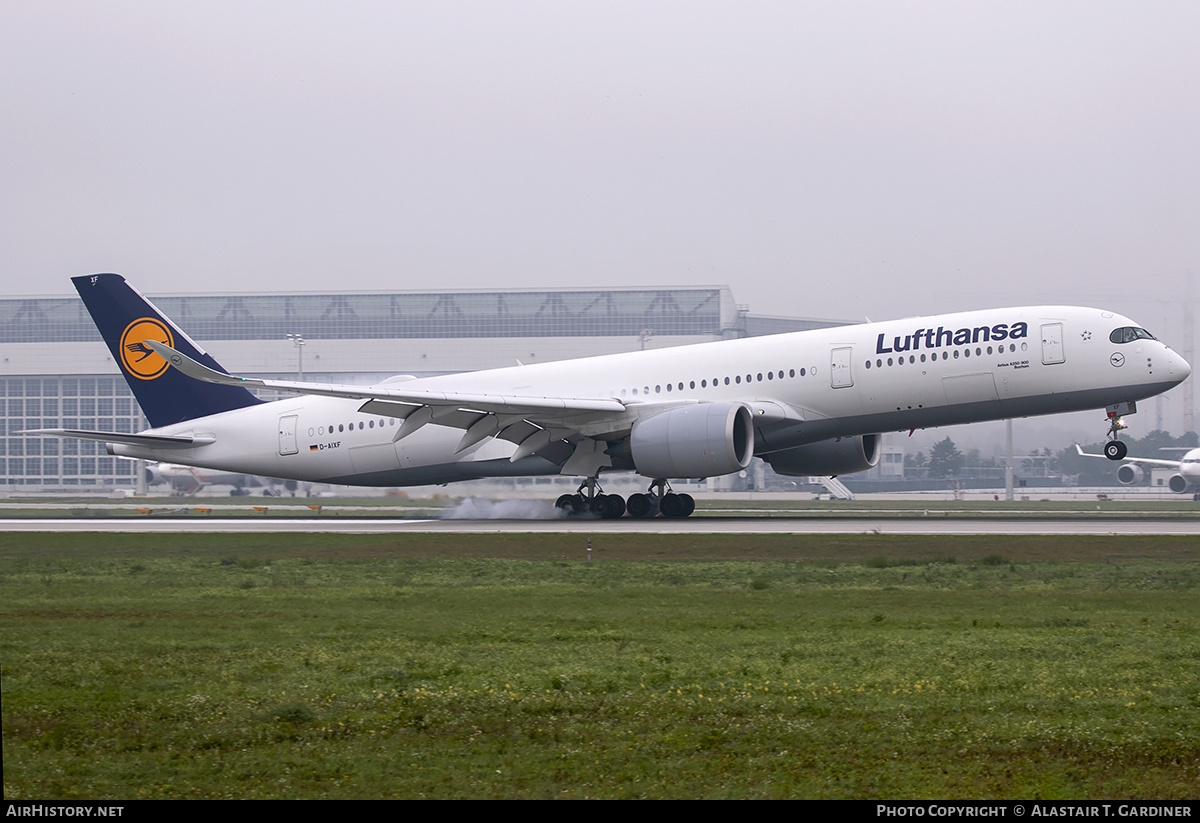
[1114, 449]
[591, 499]
[660, 500]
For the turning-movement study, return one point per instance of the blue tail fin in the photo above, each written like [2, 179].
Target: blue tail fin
[125, 319]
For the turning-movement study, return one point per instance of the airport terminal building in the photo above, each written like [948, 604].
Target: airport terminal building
[55, 372]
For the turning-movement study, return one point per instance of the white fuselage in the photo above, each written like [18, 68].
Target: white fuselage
[1189, 468]
[802, 388]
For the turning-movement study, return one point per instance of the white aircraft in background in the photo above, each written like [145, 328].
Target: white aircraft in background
[1187, 470]
[808, 403]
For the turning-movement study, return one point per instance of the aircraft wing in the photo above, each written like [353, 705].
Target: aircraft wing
[548, 426]
[556, 428]
[1151, 461]
[492, 403]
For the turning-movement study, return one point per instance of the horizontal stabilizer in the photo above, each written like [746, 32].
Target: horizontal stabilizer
[158, 441]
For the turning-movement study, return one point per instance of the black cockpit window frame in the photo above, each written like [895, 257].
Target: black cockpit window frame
[1128, 334]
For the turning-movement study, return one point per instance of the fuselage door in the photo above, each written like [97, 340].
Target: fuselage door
[1052, 344]
[840, 376]
[287, 434]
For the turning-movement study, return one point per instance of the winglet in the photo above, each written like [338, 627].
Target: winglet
[195, 369]
[127, 323]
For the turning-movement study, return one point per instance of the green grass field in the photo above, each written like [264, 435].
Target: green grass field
[443, 666]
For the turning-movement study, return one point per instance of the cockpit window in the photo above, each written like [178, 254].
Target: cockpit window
[1130, 333]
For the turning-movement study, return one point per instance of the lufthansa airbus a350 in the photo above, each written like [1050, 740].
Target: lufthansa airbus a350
[808, 403]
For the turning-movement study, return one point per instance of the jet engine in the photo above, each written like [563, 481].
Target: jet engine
[1178, 483]
[843, 455]
[1130, 474]
[702, 440]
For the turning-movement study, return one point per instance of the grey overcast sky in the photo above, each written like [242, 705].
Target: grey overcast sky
[825, 159]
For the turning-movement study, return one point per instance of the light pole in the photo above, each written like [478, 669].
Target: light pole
[298, 341]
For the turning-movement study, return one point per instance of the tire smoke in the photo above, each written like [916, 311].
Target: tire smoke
[472, 508]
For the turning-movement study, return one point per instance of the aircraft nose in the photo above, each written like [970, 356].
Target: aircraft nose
[1179, 368]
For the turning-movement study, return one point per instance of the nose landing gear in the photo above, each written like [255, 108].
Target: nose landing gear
[1114, 449]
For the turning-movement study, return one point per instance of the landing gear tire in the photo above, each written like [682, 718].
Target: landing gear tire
[609, 506]
[1115, 450]
[640, 505]
[677, 505]
[570, 504]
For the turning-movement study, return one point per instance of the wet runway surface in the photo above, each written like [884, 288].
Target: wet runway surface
[934, 523]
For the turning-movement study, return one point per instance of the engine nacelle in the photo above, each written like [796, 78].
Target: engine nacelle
[1130, 474]
[843, 455]
[704, 440]
[1178, 483]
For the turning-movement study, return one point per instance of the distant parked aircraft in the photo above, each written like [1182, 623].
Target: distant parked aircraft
[1187, 470]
